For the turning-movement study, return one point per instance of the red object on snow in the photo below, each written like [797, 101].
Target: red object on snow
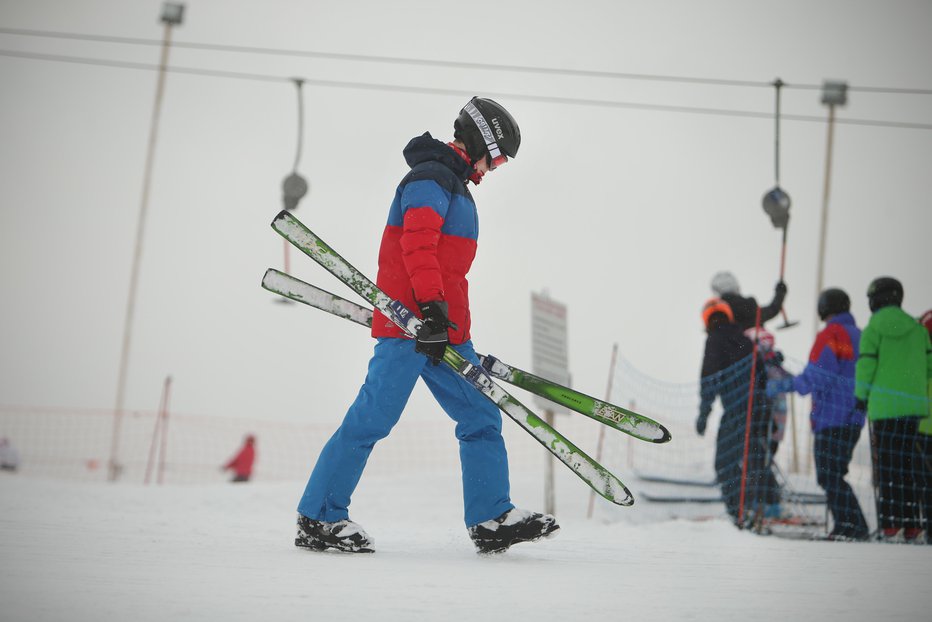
[241, 463]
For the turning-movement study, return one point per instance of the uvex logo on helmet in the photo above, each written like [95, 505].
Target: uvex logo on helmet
[498, 128]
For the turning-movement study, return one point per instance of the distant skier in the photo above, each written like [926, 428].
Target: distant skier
[892, 382]
[427, 248]
[726, 287]
[241, 464]
[9, 456]
[836, 422]
[726, 367]
[777, 405]
[773, 365]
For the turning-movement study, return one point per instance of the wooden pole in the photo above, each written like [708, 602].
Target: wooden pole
[114, 463]
[826, 191]
[155, 435]
[794, 466]
[163, 450]
[159, 435]
[608, 398]
[550, 503]
[747, 424]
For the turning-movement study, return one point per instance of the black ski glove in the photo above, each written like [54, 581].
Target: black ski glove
[780, 288]
[432, 337]
[701, 422]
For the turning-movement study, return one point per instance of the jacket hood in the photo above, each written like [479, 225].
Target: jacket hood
[892, 322]
[425, 148]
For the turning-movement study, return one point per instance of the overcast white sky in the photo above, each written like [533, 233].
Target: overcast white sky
[622, 213]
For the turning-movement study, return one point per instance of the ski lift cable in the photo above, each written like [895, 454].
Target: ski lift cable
[369, 58]
[454, 92]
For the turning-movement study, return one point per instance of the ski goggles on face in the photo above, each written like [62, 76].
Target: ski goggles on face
[496, 157]
[495, 162]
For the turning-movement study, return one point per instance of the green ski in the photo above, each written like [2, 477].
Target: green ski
[616, 417]
[595, 475]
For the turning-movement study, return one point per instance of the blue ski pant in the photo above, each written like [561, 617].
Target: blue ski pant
[393, 372]
[761, 487]
[833, 448]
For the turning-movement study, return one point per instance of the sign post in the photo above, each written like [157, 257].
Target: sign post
[549, 360]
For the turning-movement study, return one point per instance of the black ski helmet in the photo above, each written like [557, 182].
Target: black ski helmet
[486, 128]
[832, 301]
[883, 292]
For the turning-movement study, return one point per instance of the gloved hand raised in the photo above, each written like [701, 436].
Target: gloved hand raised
[781, 385]
[432, 338]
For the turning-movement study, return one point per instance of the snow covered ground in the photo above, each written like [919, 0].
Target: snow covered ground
[93, 551]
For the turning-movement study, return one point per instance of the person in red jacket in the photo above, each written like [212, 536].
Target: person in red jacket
[241, 463]
[427, 248]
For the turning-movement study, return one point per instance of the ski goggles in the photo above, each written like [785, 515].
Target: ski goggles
[495, 162]
[496, 157]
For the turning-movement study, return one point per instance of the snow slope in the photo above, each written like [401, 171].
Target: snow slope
[93, 551]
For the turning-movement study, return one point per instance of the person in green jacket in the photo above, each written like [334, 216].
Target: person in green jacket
[892, 381]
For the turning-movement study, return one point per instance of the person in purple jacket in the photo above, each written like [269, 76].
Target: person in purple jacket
[836, 421]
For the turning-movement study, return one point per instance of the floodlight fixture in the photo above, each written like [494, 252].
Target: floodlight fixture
[834, 93]
[172, 13]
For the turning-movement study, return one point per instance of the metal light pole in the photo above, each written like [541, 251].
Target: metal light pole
[172, 15]
[294, 186]
[833, 94]
[776, 202]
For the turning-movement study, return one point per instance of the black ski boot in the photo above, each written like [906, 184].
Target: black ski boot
[344, 535]
[512, 527]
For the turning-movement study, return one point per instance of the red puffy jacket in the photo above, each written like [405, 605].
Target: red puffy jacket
[429, 241]
[241, 463]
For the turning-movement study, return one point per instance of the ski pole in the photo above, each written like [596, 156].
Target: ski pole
[786, 322]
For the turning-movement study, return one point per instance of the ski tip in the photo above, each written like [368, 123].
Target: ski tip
[616, 492]
[665, 436]
[280, 216]
[269, 273]
[628, 501]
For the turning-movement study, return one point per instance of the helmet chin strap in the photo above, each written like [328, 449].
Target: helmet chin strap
[475, 177]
